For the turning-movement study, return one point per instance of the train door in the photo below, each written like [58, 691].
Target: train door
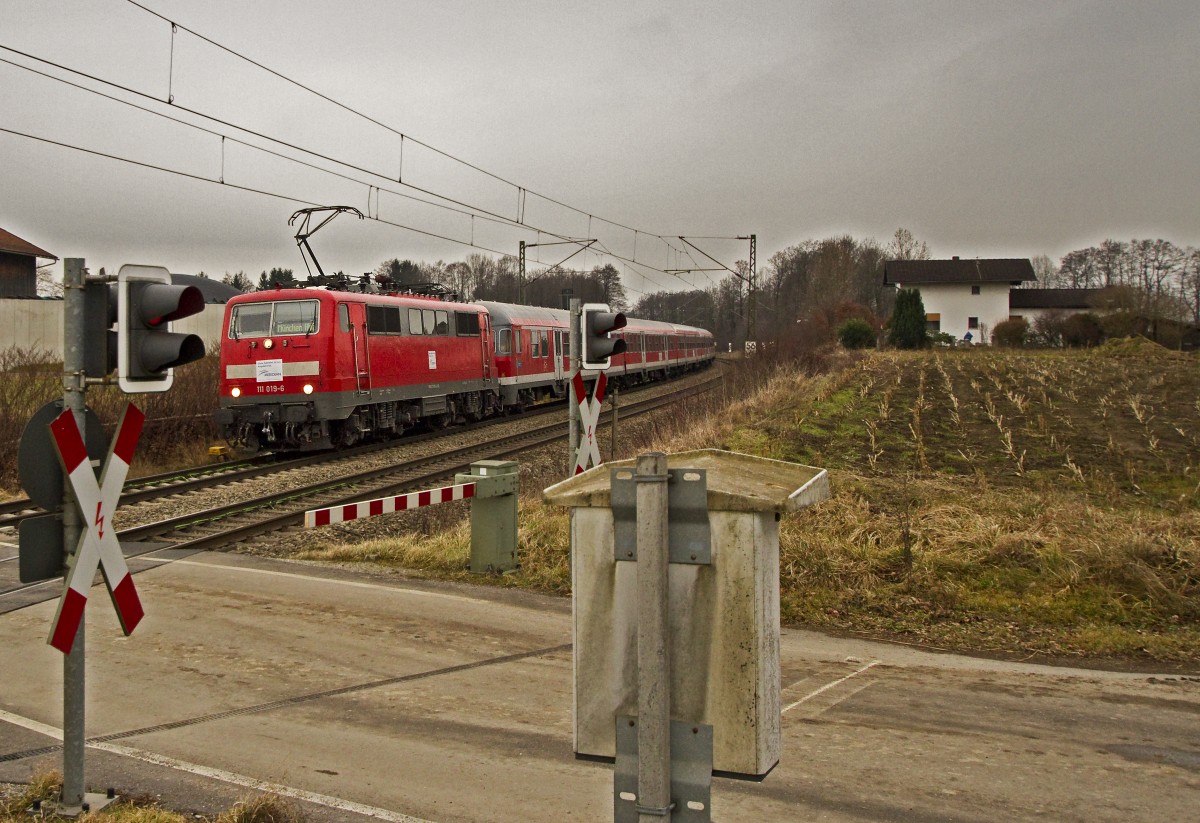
[485, 339]
[558, 355]
[362, 357]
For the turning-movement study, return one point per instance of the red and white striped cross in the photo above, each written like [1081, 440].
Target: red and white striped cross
[589, 418]
[98, 544]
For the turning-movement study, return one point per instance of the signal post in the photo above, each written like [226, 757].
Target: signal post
[592, 347]
[144, 351]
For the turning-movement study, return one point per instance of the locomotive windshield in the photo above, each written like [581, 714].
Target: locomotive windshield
[281, 317]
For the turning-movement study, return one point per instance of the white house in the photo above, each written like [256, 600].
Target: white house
[961, 297]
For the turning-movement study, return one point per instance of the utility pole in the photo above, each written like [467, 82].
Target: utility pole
[752, 318]
[521, 274]
[751, 277]
[575, 347]
[584, 245]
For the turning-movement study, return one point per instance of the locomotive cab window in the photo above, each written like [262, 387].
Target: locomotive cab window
[343, 317]
[278, 318]
[466, 324]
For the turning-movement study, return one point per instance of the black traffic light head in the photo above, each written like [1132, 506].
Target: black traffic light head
[99, 317]
[598, 344]
[147, 349]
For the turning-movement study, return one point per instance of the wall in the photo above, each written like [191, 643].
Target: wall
[955, 303]
[37, 324]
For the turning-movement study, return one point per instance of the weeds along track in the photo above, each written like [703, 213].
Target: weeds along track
[226, 511]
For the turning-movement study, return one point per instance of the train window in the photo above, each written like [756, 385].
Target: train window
[414, 321]
[466, 324]
[376, 320]
[250, 320]
[343, 317]
[383, 320]
[295, 317]
[545, 343]
[276, 318]
[504, 341]
[518, 336]
[441, 323]
[427, 321]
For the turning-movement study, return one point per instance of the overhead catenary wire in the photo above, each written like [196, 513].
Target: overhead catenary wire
[466, 209]
[249, 189]
[472, 211]
[403, 136]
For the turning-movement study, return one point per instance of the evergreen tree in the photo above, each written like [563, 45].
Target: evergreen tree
[907, 324]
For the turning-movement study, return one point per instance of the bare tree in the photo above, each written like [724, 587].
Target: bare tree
[906, 247]
[1045, 271]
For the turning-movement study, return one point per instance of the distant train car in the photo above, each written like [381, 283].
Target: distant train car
[312, 369]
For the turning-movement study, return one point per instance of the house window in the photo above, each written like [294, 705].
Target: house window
[974, 289]
[972, 322]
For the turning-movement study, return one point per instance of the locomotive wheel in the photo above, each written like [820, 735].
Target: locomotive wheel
[347, 435]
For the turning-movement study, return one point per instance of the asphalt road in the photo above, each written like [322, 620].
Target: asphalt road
[371, 697]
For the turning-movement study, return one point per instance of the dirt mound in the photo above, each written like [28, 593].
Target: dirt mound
[1136, 347]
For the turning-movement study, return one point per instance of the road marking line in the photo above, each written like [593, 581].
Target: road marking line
[220, 774]
[829, 686]
[10, 545]
[31, 725]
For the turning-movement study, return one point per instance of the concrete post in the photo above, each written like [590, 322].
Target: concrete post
[73, 399]
[653, 651]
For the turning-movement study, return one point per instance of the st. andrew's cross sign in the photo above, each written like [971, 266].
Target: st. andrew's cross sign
[98, 544]
[589, 417]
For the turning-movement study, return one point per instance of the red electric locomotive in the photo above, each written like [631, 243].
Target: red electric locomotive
[310, 368]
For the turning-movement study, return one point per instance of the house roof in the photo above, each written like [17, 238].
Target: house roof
[12, 244]
[1051, 298]
[995, 270]
[214, 291]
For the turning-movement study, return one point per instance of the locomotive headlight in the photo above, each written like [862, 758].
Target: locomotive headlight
[235, 391]
[308, 388]
[268, 343]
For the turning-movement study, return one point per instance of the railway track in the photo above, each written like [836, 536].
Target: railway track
[196, 478]
[218, 527]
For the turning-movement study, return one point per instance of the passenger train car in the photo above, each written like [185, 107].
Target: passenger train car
[313, 368]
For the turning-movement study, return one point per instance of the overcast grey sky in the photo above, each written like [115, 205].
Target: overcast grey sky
[988, 129]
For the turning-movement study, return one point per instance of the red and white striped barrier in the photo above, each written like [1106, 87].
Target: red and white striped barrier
[387, 505]
[98, 544]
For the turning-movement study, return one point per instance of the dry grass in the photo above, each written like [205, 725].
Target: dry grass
[179, 422]
[47, 786]
[1022, 503]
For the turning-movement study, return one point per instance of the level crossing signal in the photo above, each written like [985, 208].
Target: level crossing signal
[147, 349]
[598, 344]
